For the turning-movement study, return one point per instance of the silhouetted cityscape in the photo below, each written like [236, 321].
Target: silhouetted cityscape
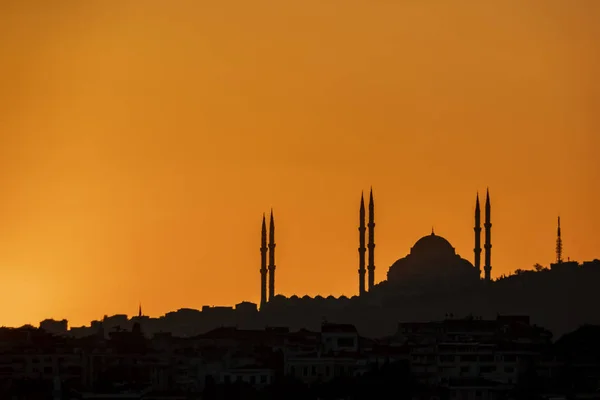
[438, 327]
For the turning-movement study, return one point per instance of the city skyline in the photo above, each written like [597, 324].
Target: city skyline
[140, 146]
[484, 274]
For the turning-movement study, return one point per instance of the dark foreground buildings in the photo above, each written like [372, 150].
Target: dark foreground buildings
[469, 358]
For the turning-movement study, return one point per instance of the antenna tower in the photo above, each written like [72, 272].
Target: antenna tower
[558, 244]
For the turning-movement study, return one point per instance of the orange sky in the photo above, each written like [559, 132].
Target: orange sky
[140, 143]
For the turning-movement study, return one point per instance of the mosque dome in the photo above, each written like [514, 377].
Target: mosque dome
[432, 261]
[433, 245]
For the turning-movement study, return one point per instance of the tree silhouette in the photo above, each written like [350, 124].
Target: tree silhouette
[538, 267]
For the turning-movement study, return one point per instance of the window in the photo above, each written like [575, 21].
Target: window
[263, 379]
[313, 370]
[252, 379]
[305, 371]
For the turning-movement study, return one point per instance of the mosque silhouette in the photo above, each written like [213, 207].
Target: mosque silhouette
[433, 282]
[432, 263]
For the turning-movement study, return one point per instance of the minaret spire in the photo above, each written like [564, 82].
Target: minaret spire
[263, 263]
[361, 248]
[477, 229]
[558, 244]
[271, 257]
[140, 310]
[371, 246]
[488, 237]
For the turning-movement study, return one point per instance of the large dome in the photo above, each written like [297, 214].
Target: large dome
[432, 264]
[432, 245]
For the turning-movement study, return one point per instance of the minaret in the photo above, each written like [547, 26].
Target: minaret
[361, 249]
[263, 263]
[271, 258]
[371, 245]
[140, 310]
[488, 238]
[477, 229]
[558, 244]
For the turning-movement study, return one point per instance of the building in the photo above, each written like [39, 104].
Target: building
[431, 265]
[55, 327]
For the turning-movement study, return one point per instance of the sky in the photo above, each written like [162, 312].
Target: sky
[142, 141]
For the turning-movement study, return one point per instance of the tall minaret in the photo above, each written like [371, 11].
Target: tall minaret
[361, 249]
[263, 263]
[371, 245]
[271, 258]
[558, 244]
[477, 235]
[488, 238]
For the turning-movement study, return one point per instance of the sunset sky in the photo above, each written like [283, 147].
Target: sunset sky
[141, 142]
